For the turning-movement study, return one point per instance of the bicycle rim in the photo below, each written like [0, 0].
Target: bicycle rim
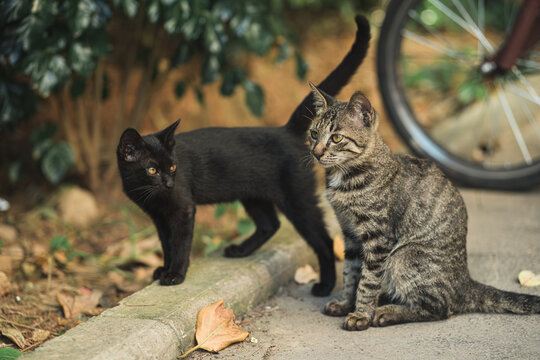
[481, 131]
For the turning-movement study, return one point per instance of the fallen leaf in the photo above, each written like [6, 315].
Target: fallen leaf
[305, 275]
[216, 328]
[6, 265]
[5, 286]
[528, 278]
[40, 335]
[14, 335]
[73, 304]
[339, 248]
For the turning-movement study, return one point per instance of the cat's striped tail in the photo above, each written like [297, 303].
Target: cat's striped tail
[485, 298]
[300, 119]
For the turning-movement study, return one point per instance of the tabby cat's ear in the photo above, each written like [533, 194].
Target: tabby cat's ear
[321, 100]
[166, 136]
[359, 108]
[131, 146]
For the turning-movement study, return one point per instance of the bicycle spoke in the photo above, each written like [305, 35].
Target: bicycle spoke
[521, 92]
[528, 63]
[530, 117]
[435, 46]
[526, 83]
[470, 28]
[513, 125]
[481, 23]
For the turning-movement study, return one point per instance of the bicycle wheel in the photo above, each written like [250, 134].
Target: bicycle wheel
[483, 131]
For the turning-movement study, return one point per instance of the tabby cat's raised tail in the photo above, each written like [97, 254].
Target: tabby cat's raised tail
[485, 298]
[300, 119]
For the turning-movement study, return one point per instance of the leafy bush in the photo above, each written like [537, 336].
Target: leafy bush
[66, 51]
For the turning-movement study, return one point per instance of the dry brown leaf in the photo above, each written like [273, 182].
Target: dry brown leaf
[6, 264]
[339, 248]
[40, 335]
[216, 328]
[305, 275]
[14, 335]
[73, 305]
[528, 278]
[5, 286]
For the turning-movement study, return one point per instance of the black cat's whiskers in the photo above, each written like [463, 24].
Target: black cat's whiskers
[307, 160]
[146, 192]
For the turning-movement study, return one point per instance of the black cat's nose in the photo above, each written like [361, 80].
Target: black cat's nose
[169, 183]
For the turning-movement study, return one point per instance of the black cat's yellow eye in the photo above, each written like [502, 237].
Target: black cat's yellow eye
[314, 134]
[151, 171]
[172, 168]
[337, 138]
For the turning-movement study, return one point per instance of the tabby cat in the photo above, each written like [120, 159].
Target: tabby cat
[263, 167]
[404, 225]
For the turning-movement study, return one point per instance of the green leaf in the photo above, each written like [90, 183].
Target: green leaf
[232, 78]
[210, 69]
[254, 97]
[182, 54]
[301, 66]
[7, 353]
[60, 242]
[78, 86]
[199, 95]
[284, 52]
[82, 59]
[130, 7]
[57, 161]
[17, 102]
[180, 89]
[258, 38]
[220, 210]
[42, 133]
[47, 72]
[245, 226]
[14, 171]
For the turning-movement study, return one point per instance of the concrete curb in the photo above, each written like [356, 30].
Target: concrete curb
[159, 322]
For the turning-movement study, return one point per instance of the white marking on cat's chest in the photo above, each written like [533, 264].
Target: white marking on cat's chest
[335, 179]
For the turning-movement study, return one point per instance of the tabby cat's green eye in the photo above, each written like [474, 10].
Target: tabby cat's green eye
[151, 171]
[337, 138]
[314, 134]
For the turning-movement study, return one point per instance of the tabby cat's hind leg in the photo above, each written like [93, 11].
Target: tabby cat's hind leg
[265, 218]
[399, 314]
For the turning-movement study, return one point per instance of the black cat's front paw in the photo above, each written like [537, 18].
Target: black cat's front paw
[356, 322]
[235, 251]
[157, 273]
[171, 278]
[321, 289]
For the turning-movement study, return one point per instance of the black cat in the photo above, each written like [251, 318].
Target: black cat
[167, 176]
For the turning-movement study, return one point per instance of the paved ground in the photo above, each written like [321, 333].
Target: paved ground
[504, 238]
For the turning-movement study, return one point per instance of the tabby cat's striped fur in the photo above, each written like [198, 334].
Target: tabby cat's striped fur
[404, 225]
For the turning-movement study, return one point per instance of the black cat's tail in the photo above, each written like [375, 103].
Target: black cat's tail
[300, 119]
[485, 298]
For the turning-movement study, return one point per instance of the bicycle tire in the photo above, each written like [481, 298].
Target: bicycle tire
[405, 123]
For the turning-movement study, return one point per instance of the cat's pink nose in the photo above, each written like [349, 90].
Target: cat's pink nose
[318, 152]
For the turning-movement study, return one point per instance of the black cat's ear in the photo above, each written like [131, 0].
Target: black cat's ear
[166, 136]
[321, 100]
[359, 108]
[131, 146]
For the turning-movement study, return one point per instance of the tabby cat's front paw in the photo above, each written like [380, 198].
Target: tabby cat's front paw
[337, 307]
[235, 251]
[171, 278]
[157, 273]
[356, 322]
